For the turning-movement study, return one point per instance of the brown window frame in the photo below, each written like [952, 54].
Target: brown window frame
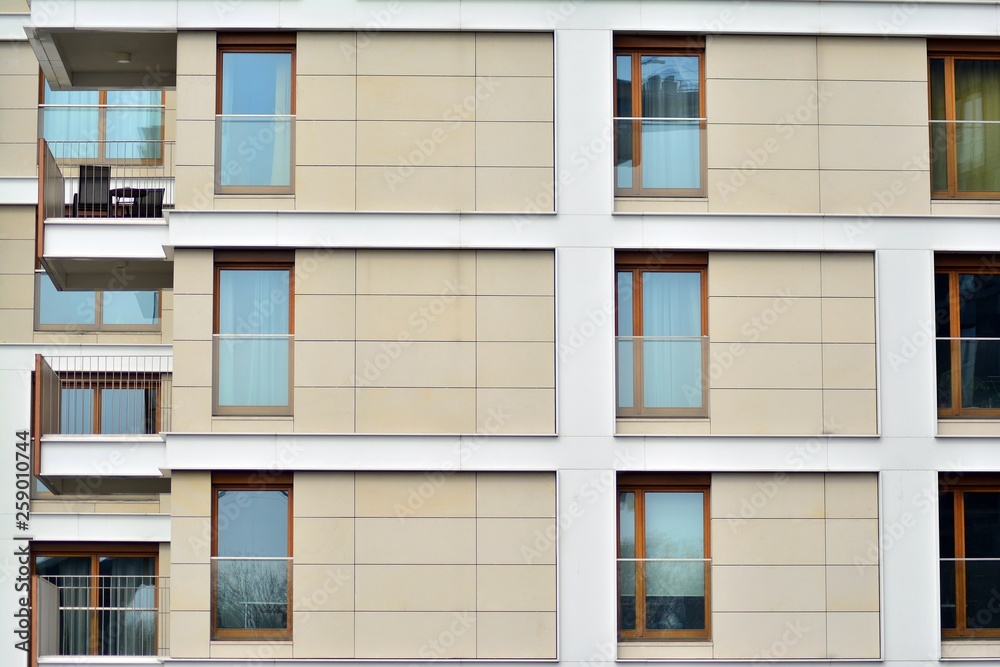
[639, 484]
[250, 260]
[635, 47]
[953, 266]
[255, 42]
[94, 551]
[258, 481]
[949, 51]
[959, 484]
[637, 263]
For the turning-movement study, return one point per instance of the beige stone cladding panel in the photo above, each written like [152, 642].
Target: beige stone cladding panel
[17, 253]
[795, 553]
[194, 171]
[19, 101]
[192, 300]
[873, 133]
[793, 343]
[455, 556]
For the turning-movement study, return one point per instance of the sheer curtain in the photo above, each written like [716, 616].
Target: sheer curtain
[672, 368]
[128, 606]
[254, 342]
[977, 98]
[73, 117]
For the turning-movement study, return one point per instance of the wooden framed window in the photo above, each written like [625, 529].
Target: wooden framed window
[664, 563]
[254, 316]
[120, 404]
[661, 327]
[94, 310]
[255, 113]
[96, 599]
[967, 306]
[125, 126]
[965, 118]
[659, 116]
[969, 522]
[251, 564]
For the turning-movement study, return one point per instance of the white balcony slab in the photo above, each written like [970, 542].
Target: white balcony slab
[100, 527]
[82, 456]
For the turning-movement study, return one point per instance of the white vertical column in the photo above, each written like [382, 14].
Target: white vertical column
[587, 571]
[907, 375]
[585, 311]
[584, 134]
[908, 550]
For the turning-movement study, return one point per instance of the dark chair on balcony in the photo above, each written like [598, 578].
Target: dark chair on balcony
[148, 203]
[94, 196]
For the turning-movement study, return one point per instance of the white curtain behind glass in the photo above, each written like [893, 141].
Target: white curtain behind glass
[672, 368]
[671, 149]
[253, 363]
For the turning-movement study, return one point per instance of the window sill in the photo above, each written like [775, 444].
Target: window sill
[663, 426]
[968, 428]
[970, 648]
[634, 204]
[665, 649]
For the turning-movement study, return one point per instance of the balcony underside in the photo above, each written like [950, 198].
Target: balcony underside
[90, 58]
[84, 254]
[87, 464]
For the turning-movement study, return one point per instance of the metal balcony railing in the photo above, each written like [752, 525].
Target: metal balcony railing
[122, 615]
[103, 395]
[106, 179]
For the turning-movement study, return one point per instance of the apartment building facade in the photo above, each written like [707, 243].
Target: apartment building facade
[576, 332]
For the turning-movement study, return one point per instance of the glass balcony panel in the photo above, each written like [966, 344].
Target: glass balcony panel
[251, 593]
[255, 151]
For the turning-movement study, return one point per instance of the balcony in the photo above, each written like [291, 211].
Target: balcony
[101, 417]
[102, 209]
[103, 615]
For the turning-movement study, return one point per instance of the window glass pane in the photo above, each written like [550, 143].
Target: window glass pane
[253, 523]
[76, 411]
[623, 128]
[256, 144]
[71, 574]
[977, 97]
[626, 360]
[675, 588]
[982, 541]
[671, 149]
[128, 411]
[127, 601]
[254, 348]
[942, 312]
[61, 123]
[670, 87]
[980, 319]
[671, 154]
[946, 532]
[66, 307]
[626, 569]
[141, 308]
[942, 316]
[252, 573]
[671, 343]
[937, 87]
